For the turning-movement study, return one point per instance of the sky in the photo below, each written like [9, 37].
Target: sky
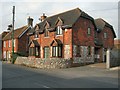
[108, 10]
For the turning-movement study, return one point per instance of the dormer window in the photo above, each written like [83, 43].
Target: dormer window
[36, 35]
[59, 30]
[37, 31]
[46, 34]
[46, 26]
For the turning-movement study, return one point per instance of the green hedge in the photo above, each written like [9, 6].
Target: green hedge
[16, 54]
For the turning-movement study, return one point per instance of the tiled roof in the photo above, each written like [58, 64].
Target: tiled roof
[35, 43]
[17, 33]
[3, 34]
[68, 18]
[100, 24]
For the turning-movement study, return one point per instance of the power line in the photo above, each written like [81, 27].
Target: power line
[103, 9]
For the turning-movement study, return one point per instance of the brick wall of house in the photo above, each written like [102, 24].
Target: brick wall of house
[82, 39]
[80, 36]
[68, 43]
[8, 49]
[23, 44]
[109, 41]
[66, 39]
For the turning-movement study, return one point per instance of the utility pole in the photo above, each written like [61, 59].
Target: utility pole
[13, 34]
[11, 27]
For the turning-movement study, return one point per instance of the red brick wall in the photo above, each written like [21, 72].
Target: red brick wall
[66, 39]
[80, 36]
[109, 41]
[23, 43]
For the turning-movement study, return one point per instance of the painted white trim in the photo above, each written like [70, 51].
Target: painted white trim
[23, 32]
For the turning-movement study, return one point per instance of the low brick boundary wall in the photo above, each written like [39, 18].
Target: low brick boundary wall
[44, 63]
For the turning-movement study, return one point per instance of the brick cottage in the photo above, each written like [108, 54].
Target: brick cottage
[68, 35]
[104, 39]
[2, 35]
[20, 41]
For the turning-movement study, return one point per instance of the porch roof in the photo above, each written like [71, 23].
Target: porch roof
[35, 42]
[57, 41]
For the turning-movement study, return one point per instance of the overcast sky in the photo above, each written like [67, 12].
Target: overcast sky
[23, 8]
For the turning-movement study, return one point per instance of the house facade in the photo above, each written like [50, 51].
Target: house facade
[2, 35]
[104, 39]
[20, 41]
[68, 35]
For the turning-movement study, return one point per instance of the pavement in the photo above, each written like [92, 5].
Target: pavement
[16, 76]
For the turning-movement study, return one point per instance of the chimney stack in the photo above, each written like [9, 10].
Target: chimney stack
[42, 18]
[30, 21]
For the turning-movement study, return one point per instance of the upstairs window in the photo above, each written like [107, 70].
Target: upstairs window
[14, 42]
[105, 35]
[4, 43]
[46, 34]
[59, 30]
[89, 31]
[36, 35]
[9, 45]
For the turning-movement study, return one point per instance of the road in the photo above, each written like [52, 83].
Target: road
[16, 76]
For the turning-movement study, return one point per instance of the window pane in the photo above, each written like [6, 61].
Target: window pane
[4, 54]
[59, 30]
[56, 51]
[14, 42]
[60, 51]
[36, 51]
[89, 50]
[89, 31]
[53, 52]
[4, 44]
[105, 35]
[46, 33]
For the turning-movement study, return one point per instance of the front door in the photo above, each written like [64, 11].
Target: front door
[46, 52]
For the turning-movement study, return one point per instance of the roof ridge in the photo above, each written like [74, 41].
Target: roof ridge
[25, 26]
[63, 12]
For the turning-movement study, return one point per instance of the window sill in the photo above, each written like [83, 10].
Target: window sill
[36, 38]
[59, 35]
[46, 37]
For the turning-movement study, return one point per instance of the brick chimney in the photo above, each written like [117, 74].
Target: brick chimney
[42, 18]
[30, 21]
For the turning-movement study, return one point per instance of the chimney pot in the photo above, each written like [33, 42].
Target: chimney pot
[30, 21]
[42, 18]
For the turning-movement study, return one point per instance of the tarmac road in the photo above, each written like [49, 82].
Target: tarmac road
[16, 76]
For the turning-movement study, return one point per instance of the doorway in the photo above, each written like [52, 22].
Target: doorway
[46, 52]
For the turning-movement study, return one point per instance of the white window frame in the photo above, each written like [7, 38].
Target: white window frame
[9, 44]
[14, 42]
[56, 51]
[105, 35]
[4, 43]
[9, 54]
[4, 54]
[89, 31]
[59, 30]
